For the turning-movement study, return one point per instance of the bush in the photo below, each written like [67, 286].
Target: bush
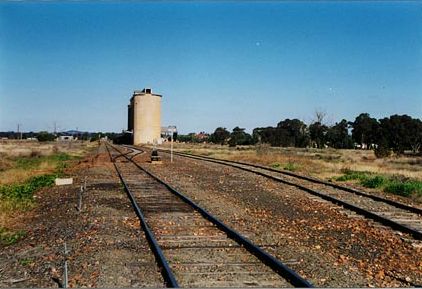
[290, 167]
[374, 182]
[392, 185]
[45, 136]
[353, 175]
[382, 151]
[404, 188]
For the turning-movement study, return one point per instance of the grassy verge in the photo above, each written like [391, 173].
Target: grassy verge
[8, 237]
[19, 196]
[289, 166]
[393, 185]
[35, 162]
[24, 191]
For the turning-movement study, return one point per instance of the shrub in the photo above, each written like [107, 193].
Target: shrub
[45, 136]
[353, 175]
[290, 167]
[374, 182]
[382, 151]
[404, 188]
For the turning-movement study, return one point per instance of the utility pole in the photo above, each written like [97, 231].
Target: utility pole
[19, 132]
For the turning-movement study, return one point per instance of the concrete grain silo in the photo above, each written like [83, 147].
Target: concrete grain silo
[144, 117]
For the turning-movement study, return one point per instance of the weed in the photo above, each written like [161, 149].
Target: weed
[393, 185]
[8, 205]
[290, 167]
[404, 188]
[350, 175]
[374, 182]
[26, 190]
[275, 165]
[26, 261]
[8, 237]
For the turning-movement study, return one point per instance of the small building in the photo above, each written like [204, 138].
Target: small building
[66, 138]
[144, 117]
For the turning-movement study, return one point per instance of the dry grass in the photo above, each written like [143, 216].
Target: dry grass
[321, 163]
[11, 152]
[20, 161]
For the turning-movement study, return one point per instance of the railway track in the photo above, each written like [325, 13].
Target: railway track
[193, 248]
[398, 216]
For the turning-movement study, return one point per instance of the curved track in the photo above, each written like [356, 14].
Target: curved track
[398, 216]
[193, 248]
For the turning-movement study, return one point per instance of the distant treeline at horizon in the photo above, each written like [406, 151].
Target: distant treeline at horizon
[396, 133]
[48, 136]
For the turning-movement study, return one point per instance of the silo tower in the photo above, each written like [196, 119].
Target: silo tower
[144, 117]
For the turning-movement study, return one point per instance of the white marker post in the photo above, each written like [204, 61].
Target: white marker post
[172, 129]
[171, 147]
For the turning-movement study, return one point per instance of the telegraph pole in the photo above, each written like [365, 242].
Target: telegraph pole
[19, 132]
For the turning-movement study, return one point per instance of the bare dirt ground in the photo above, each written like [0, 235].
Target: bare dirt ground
[106, 246]
[316, 239]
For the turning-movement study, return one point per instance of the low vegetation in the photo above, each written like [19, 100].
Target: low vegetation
[25, 190]
[289, 166]
[398, 175]
[8, 237]
[44, 169]
[390, 184]
[20, 178]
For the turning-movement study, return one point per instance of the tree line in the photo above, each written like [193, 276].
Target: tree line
[44, 136]
[396, 133]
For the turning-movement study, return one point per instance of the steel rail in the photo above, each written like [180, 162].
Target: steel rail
[291, 276]
[310, 179]
[396, 226]
[166, 271]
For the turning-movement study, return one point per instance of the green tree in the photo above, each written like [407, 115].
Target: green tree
[220, 135]
[317, 132]
[239, 137]
[338, 135]
[402, 132]
[292, 132]
[45, 136]
[366, 130]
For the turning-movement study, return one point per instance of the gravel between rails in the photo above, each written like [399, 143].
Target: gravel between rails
[317, 239]
[198, 252]
[402, 216]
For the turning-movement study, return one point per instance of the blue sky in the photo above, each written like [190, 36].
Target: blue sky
[228, 64]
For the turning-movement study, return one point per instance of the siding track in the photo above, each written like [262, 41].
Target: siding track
[192, 247]
[398, 216]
